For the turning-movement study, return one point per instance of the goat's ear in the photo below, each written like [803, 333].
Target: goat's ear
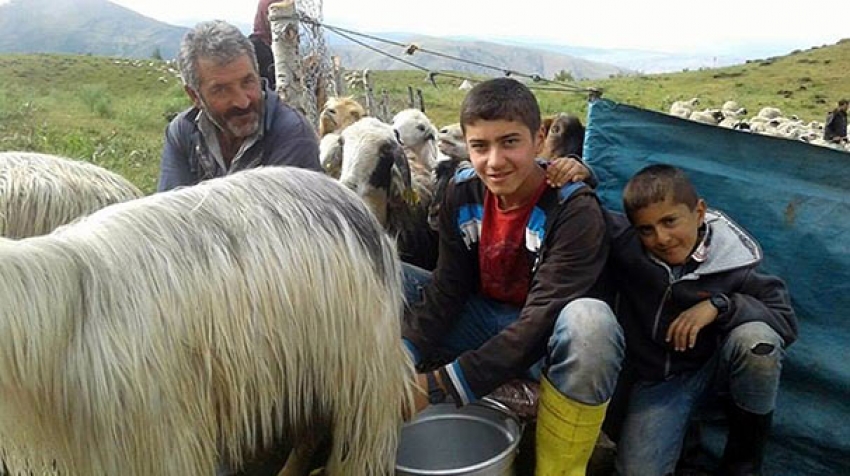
[330, 151]
[402, 181]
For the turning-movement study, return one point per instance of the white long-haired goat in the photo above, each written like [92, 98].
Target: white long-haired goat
[39, 192]
[160, 335]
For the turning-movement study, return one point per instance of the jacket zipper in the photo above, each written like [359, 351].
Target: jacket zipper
[657, 323]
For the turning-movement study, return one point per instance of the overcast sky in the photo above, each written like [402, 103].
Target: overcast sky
[705, 26]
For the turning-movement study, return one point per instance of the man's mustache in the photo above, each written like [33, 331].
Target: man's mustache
[238, 112]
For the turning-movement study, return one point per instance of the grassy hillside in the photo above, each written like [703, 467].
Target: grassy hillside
[109, 111]
[113, 111]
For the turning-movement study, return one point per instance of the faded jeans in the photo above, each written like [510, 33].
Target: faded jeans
[747, 367]
[584, 353]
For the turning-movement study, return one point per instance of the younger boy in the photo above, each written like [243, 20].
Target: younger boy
[519, 265]
[699, 319]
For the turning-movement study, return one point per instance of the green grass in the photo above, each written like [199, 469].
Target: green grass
[112, 111]
[108, 111]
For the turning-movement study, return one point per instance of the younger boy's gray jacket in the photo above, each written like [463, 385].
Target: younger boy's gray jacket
[287, 138]
[650, 298]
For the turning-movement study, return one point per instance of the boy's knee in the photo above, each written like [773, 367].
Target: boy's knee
[589, 318]
[755, 339]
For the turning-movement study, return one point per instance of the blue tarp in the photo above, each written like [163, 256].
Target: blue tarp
[795, 199]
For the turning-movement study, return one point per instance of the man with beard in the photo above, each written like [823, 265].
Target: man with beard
[236, 122]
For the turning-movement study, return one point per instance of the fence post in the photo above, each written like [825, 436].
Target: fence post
[338, 75]
[421, 100]
[385, 105]
[287, 61]
[370, 98]
[410, 96]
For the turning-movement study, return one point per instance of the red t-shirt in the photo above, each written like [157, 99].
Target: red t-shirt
[502, 258]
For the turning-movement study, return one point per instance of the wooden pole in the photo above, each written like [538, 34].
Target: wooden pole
[421, 100]
[287, 61]
[410, 102]
[339, 76]
[370, 97]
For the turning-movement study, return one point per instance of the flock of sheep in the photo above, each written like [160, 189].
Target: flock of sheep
[769, 121]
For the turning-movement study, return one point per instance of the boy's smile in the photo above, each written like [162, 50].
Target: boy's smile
[503, 154]
[668, 230]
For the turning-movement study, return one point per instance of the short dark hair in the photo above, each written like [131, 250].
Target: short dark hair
[215, 40]
[842, 102]
[654, 184]
[500, 99]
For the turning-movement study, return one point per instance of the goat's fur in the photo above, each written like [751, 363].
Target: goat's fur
[564, 137]
[451, 143]
[39, 192]
[161, 335]
[398, 191]
[418, 135]
[339, 113]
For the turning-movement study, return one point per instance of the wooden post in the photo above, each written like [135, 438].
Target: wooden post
[287, 61]
[411, 103]
[421, 100]
[370, 98]
[385, 105]
[339, 76]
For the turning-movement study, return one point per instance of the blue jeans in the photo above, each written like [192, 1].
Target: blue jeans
[747, 367]
[584, 353]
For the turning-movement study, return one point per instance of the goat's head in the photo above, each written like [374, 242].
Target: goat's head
[414, 128]
[450, 142]
[374, 165]
[339, 113]
[565, 137]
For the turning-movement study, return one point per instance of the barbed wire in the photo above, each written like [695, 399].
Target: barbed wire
[547, 84]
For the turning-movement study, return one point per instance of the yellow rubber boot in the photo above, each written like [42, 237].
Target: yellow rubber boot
[566, 432]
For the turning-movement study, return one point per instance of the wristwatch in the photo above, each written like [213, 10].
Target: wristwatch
[436, 394]
[721, 302]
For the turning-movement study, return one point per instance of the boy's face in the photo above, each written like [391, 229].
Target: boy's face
[503, 154]
[669, 230]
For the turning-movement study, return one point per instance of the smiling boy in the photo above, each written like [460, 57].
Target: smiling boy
[701, 321]
[518, 283]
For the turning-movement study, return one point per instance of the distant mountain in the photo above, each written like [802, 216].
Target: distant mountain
[94, 27]
[100, 27]
[525, 59]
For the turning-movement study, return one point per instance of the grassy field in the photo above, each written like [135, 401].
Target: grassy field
[113, 112]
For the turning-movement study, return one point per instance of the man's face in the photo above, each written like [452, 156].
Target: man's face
[503, 154]
[669, 230]
[230, 95]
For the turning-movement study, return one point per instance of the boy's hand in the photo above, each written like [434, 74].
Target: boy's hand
[684, 329]
[420, 397]
[565, 169]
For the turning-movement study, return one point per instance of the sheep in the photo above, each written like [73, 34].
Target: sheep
[398, 190]
[707, 116]
[339, 113]
[770, 113]
[159, 335]
[564, 138]
[684, 109]
[39, 192]
[418, 136]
